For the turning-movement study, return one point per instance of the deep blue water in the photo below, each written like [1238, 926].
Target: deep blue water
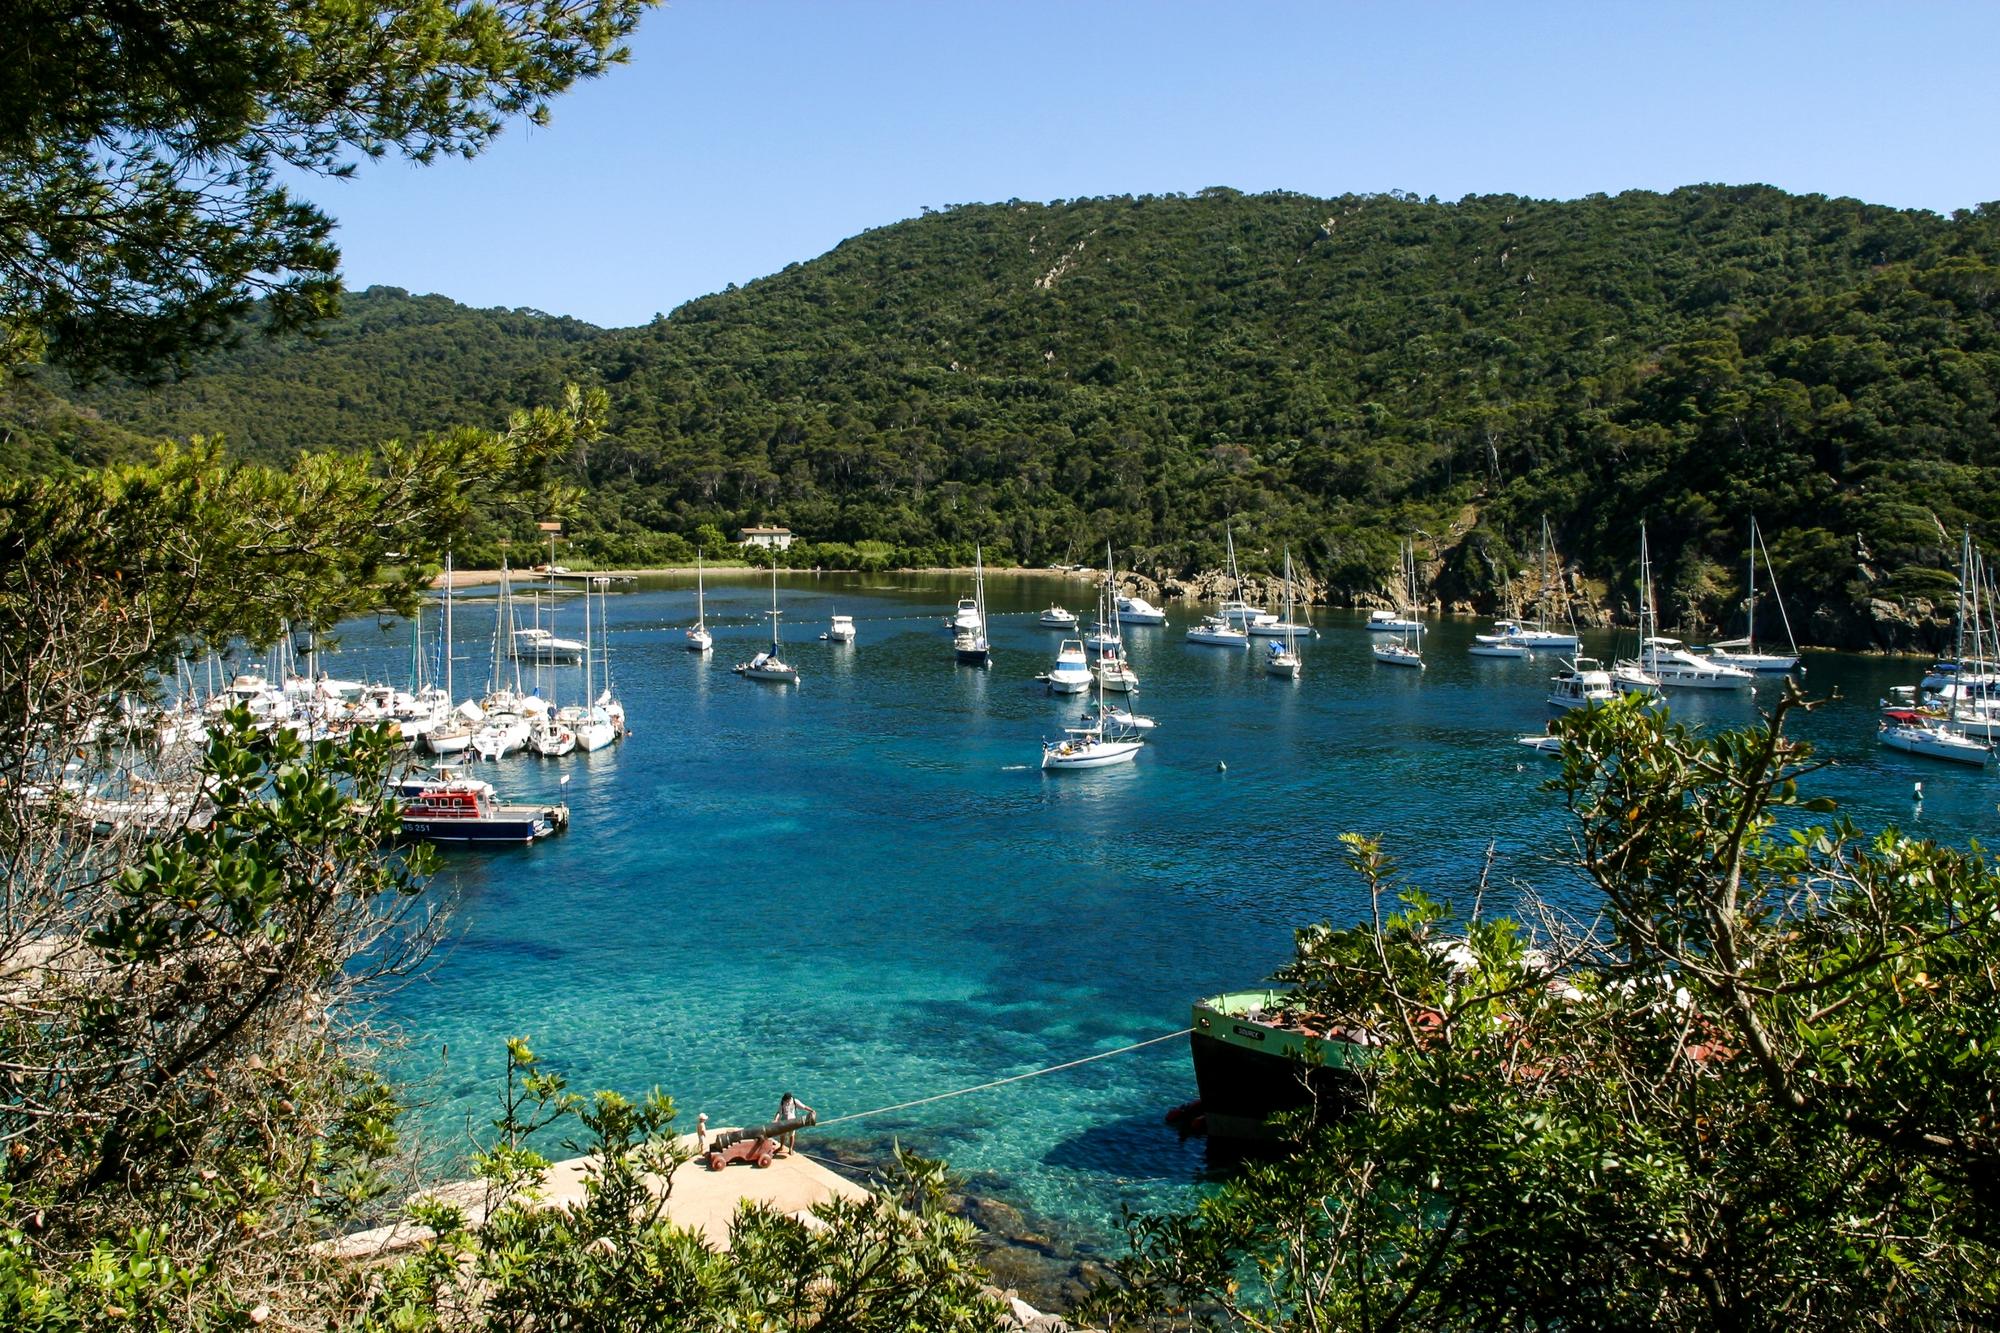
[864, 890]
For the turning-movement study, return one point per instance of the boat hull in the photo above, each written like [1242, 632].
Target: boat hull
[503, 826]
[1249, 1072]
[1763, 664]
[1090, 754]
[1511, 650]
[1930, 746]
[1388, 656]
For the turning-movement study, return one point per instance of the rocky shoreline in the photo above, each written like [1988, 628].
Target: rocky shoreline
[1029, 1261]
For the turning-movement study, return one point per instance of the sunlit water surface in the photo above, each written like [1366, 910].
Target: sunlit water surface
[866, 891]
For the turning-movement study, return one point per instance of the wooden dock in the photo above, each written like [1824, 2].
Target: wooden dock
[701, 1200]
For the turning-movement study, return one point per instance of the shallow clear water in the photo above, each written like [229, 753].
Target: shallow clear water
[864, 890]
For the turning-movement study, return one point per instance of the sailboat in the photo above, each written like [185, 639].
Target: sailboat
[548, 735]
[1629, 674]
[1226, 628]
[1967, 691]
[1407, 650]
[968, 642]
[1234, 610]
[1534, 634]
[1090, 746]
[1284, 657]
[452, 734]
[591, 724]
[1743, 652]
[699, 640]
[769, 665]
[1112, 670]
[607, 698]
[504, 729]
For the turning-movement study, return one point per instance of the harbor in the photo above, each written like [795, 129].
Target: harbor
[863, 887]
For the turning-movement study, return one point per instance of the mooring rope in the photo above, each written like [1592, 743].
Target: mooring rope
[1011, 1078]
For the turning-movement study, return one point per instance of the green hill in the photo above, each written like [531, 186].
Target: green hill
[1328, 374]
[391, 366]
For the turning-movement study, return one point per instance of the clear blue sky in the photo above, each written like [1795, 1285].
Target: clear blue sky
[746, 136]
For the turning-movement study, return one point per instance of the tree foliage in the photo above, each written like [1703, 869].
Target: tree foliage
[897, 1260]
[142, 150]
[1325, 374]
[1756, 1092]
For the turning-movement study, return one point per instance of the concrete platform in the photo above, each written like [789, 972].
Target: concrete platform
[703, 1201]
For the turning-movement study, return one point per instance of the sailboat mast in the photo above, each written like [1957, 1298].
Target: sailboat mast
[588, 693]
[451, 700]
[1750, 623]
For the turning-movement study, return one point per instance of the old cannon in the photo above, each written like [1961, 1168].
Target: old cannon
[755, 1146]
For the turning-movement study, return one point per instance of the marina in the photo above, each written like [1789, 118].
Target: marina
[923, 911]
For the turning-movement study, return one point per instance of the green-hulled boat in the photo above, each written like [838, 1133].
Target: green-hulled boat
[1255, 1058]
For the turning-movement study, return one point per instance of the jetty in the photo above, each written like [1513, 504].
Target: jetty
[700, 1200]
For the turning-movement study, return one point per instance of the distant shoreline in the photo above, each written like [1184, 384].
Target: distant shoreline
[478, 578]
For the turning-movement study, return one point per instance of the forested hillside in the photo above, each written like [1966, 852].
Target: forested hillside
[394, 365]
[1328, 374]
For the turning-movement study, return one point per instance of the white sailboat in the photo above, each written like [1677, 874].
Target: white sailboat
[1226, 628]
[770, 664]
[1234, 610]
[504, 728]
[1407, 650]
[1914, 733]
[1629, 674]
[607, 698]
[590, 723]
[699, 640]
[1112, 670]
[1668, 662]
[452, 734]
[548, 735]
[1742, 653]
[1283, 659]
[969, 643]
[1090, 745]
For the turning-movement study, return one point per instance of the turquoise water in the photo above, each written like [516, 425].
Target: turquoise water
[864, 890]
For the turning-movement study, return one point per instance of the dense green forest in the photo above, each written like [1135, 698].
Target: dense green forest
[1325, 374]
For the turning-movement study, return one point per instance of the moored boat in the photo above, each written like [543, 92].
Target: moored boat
[446, 806]
[1398, 654]
[699, 640]
[1137, 610]
[770, 665]
[1914, 733]
[1072, 670]
[1256, 1058]
[1582, 683]
[1057, 617]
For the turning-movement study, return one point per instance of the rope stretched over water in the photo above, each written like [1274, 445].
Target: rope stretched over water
[1011, 1078]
